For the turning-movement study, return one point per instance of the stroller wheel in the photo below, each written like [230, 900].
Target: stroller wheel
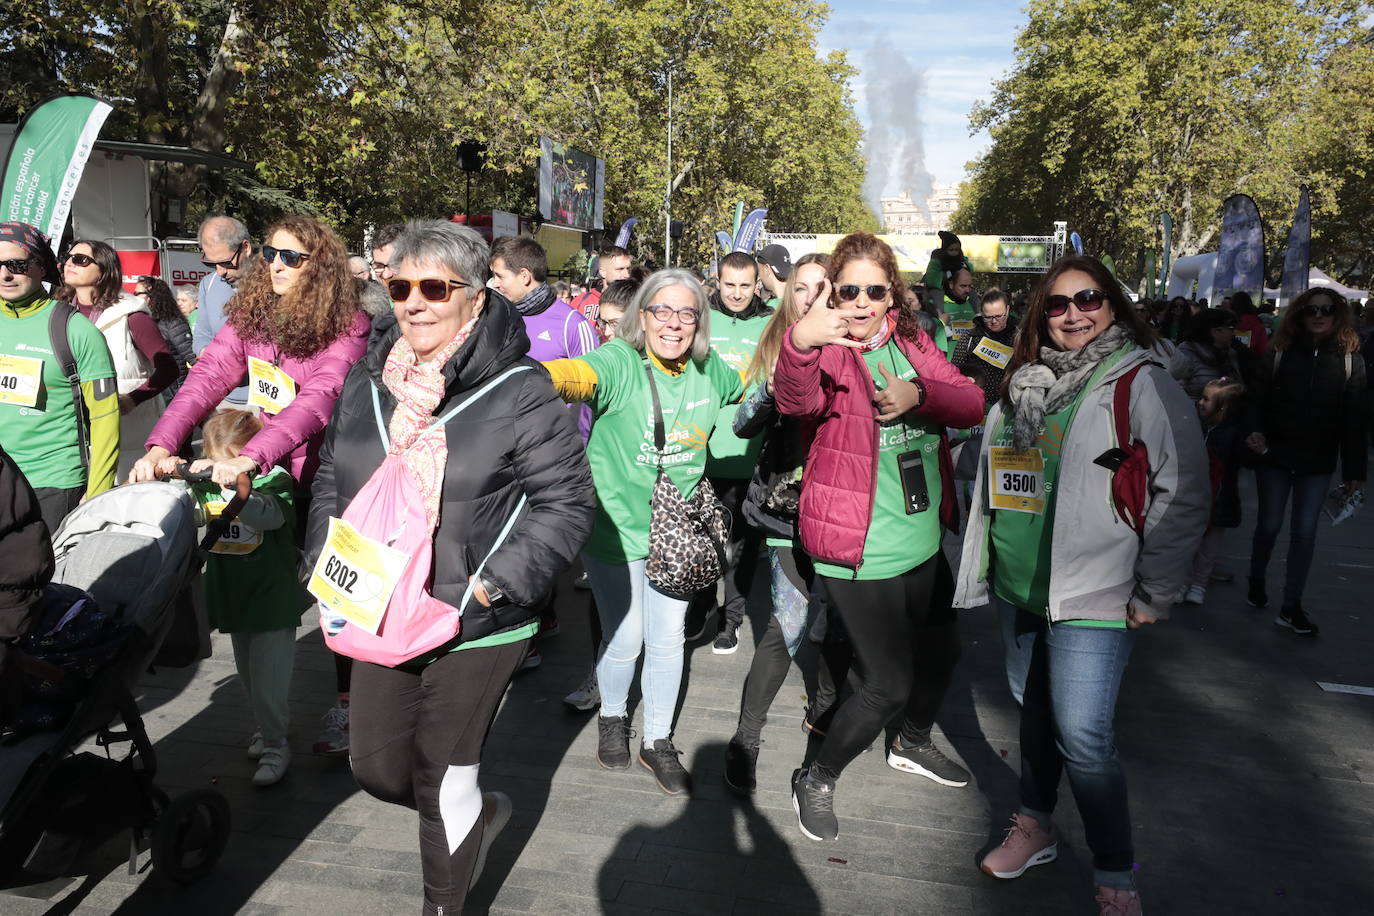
[190, 835]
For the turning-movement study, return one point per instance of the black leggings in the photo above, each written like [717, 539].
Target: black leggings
[417, 740]
[884, 619]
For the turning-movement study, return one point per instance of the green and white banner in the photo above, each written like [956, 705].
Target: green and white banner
[46, 161]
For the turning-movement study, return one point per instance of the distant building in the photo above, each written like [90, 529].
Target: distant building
[902, 216]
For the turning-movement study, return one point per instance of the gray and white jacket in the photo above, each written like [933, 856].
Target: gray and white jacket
[1097, 562]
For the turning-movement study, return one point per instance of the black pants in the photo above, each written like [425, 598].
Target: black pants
[743, 557]
[416, 740]
[55, 503]
[884, 619]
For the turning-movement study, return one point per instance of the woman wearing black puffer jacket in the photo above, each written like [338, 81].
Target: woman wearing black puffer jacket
[417, 729]
[1310, 409]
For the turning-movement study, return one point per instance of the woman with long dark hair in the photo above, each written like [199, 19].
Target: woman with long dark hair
[1309, 397]
[877, 490]
[172, 324]
[1071, 570]
[1210, 352]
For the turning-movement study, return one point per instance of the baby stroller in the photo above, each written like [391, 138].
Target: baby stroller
[133, 549]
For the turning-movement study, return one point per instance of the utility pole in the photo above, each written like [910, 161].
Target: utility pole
[668, 192]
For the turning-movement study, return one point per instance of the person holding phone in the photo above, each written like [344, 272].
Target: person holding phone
[877, 489]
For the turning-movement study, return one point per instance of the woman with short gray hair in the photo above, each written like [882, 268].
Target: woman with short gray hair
[508, 499]
[661, 362]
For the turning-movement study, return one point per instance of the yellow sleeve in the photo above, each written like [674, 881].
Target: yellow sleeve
[102, 405]
[573, 378]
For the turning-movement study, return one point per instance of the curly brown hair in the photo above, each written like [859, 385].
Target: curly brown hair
[864, 246]
[1292, 330]
[318, 309]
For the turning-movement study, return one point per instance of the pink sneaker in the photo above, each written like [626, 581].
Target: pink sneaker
[1026, 844]
[1113, 901]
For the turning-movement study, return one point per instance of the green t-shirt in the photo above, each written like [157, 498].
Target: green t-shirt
[1020, 542]
[896, 541]
[251, 583]
[191, 318]
[735, 339]
[43, 439]
[621, 448]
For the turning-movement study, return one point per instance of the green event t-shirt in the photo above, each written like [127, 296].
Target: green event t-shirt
[1020, 542]
[735, 339]
[621, 448]
[896, 541]
[43, 439]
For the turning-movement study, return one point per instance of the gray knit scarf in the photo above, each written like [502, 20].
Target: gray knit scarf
[535, 301]
[1050, 385]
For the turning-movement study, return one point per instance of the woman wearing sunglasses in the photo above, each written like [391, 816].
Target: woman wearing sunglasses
[417, 729]
[663, 348]
[876, 495]
[1071, 579]
[93, 281]
[293, 329]
[1309, 396]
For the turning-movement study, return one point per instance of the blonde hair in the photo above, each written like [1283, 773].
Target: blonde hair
[229, 431]
[788, 313]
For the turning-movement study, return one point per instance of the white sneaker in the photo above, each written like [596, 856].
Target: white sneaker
[496, 811]
[1194, 594]
[587, 695]
[255, 746]
[272, 764]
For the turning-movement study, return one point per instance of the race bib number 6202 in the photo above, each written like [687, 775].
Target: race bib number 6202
[356, 575]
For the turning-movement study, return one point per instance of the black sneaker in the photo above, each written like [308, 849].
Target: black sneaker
[741, 760]
[925, 759]
[1296, 619]
[1257, 596]
[661, 760]
[728, 640]
[814, 802]
[613, 742]
[694, 625]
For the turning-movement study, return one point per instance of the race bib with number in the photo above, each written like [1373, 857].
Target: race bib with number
[238, 539]
[1243, 337]
[1017, 479]
[990, 351]
[20, 377]
[961, 325]
[356, 575]
[268, 387]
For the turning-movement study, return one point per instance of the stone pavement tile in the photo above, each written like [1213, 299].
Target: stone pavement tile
[674, 900]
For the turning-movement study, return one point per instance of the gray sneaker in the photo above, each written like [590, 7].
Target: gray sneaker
[925, 759]
[814, 802]
[587, 696]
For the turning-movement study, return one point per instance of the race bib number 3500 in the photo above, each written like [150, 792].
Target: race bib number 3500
[356, 575]
[20, 377]
[1017, 479]
[268, 387]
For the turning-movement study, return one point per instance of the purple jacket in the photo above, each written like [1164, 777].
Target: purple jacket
[296, 431]
[562, 332]
[832, 386]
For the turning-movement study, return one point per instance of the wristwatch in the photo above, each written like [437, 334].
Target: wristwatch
[495, 597]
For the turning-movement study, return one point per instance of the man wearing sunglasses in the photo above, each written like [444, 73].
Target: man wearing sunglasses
[227, 251]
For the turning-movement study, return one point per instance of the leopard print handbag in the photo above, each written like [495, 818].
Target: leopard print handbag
[687, 536]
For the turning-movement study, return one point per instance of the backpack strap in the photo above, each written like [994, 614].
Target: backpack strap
[660, 438]
[381, 424]
[59, 335]
[1121, 405]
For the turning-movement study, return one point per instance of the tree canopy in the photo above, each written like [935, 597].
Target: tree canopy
[1116, 111]
[354, 108]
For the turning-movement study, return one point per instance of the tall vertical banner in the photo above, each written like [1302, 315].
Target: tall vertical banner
[622, 238]
[1166, 225]
[1298, 260]
[1240, 256]
[725, 241]
[749, 230]
[1076, 241]
[45, 164]
[1149, 272]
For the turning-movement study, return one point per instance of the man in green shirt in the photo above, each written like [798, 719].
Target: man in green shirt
[735, 329]
[67, 457]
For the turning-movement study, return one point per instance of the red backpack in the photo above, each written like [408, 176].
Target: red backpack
[1129, 461]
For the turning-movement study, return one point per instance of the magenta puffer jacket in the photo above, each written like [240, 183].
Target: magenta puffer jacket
[296, 431]
[832, 386]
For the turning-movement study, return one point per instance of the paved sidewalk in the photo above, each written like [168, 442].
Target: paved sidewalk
[1252, 790]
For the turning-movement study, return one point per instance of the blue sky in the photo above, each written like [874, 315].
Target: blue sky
[950, 51]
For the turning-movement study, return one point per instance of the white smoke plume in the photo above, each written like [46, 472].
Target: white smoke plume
[894, 147]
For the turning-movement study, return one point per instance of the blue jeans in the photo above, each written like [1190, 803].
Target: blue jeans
[636, 615]
[1066, 680]
[1309, 494]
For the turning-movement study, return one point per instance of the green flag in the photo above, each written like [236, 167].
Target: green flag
[45, 164]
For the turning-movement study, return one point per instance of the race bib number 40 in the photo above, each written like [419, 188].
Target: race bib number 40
[20, 377]
[268, 387]
[1017, 479]
[990, 351]
[356, 575]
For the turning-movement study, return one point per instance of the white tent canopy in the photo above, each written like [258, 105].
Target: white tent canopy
[1200, 270]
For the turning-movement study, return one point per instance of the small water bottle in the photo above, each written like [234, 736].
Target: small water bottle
[330, 621]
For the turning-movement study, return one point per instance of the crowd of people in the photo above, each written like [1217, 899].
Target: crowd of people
[1086, 450]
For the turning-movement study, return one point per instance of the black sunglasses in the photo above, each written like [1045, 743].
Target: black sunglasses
[230, 264]
[17, 266]
[1315, 308]
[80, 260]
[849, 292]
[1087, 300]
[290, 258]
[432, 289]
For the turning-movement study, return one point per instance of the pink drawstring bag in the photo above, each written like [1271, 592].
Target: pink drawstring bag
[389, 509]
